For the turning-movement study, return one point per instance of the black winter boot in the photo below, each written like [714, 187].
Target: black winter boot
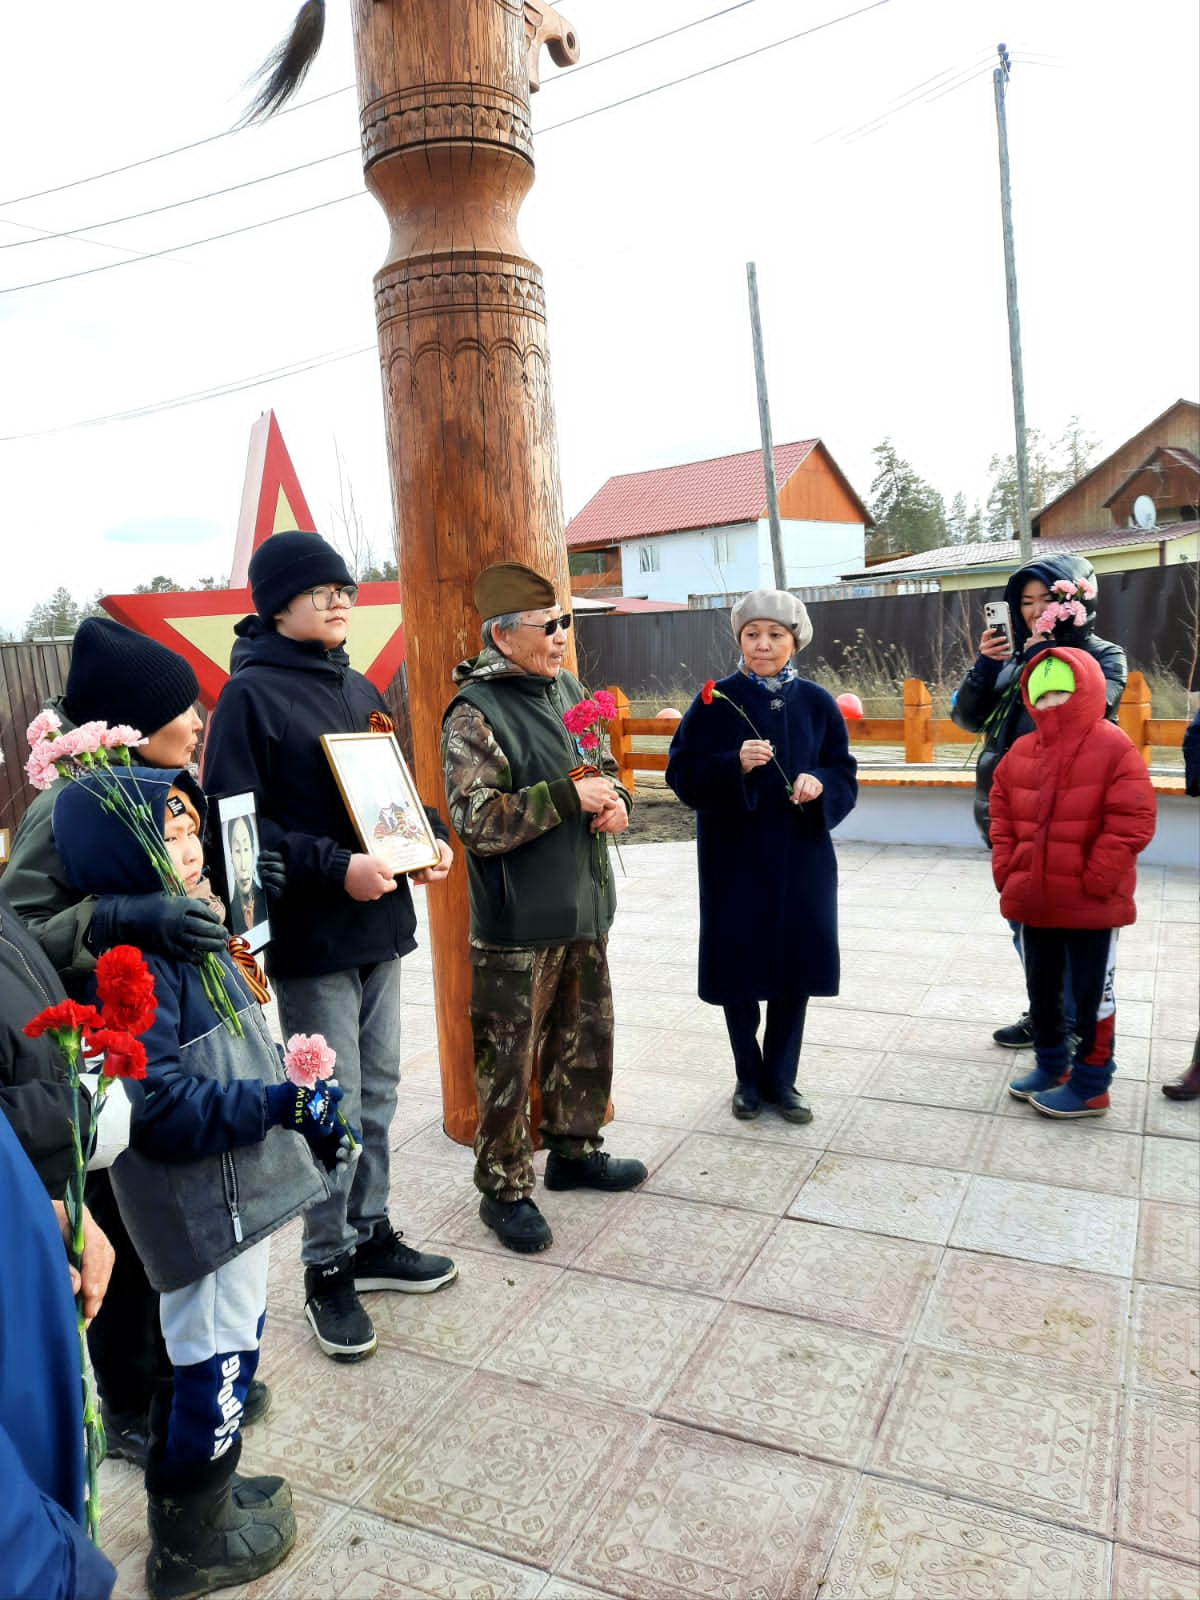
[201, 1539]
[250, 1493]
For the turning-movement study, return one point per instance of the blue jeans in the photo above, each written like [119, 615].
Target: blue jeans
[1068, 994]
[358, 1011]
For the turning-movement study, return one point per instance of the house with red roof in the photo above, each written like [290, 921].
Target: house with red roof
[701, 528]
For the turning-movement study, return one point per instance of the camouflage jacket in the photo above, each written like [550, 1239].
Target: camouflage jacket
[537, 874]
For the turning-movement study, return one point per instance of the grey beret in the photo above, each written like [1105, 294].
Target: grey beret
[773, 605]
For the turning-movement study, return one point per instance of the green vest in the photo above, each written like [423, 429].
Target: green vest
[546, 892]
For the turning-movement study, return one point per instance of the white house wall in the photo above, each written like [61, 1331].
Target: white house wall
[733, 559]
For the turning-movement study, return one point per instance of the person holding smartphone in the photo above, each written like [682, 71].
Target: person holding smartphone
[988, 700]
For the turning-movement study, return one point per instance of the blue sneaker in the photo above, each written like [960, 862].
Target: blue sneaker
[1069, 1100]
[1035, 1082]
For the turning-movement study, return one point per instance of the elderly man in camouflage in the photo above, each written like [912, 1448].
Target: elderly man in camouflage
[542, 902]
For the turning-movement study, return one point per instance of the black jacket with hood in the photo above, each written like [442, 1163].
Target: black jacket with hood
[988, 700]
[264, 735]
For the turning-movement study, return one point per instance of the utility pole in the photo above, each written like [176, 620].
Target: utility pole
[764, 424]
[1000, 78]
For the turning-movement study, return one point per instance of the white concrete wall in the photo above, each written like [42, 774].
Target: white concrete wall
[734, 559]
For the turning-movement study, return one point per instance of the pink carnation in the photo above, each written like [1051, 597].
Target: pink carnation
[122, 737]
[309, 1059]
[605, 704]
[67, 744]
[580, 717]
[1087, 590]
[89, 736]
[40, 768]
[588, 742]
[44, 723]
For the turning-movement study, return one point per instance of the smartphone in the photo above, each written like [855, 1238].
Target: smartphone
[996, 615]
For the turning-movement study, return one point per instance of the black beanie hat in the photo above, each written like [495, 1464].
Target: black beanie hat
[286, 563]
[117, 675]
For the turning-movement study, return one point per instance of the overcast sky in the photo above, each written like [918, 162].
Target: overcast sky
[867, 194]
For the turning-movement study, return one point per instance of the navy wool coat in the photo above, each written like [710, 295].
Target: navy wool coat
[768, 875]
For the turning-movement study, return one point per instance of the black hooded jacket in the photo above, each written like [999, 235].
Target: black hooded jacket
[992, 684]
[264, 735]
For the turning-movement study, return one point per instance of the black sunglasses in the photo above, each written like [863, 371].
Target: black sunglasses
[551, 627]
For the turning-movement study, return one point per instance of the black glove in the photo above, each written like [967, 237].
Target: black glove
[336, 1147]
[171, 925]
[272, 872]
[312, 1112]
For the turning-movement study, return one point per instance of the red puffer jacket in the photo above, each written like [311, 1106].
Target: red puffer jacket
[1071, 807]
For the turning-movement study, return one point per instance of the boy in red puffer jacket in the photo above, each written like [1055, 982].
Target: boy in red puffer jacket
[1071, 805]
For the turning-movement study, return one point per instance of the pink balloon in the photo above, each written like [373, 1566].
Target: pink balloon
[670, 713]
[850, 706]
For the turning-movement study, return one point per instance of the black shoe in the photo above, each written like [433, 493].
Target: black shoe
[384, 1261]
[335, 1313]
[747, 1103]
[258, 1403]
[597, 1171]
[1017, 1036]
[518, 1223]
[793, 1107]
[1185, 1088]
[201, 1538]
[126, 1435]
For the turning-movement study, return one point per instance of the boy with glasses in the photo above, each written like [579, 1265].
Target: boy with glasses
[343, 921]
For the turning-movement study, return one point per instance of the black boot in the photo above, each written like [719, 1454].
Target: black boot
[201, 1539]
[250, 1493]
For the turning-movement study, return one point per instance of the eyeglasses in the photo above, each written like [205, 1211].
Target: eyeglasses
[551, 627]
[324, 597]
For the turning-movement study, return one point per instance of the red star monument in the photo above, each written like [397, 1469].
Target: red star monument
[199, 624]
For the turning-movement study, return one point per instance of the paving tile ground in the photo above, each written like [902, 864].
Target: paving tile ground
[928, 1345]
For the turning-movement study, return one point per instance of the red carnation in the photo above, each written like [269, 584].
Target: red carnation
[124, 1056]
[125, 987]
[706, 694]
[65, 1017]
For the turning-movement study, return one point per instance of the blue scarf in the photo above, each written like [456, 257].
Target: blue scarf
[786, 674]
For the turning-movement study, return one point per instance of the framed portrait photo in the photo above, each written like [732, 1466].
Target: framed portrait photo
[382, 800]
[245, 898]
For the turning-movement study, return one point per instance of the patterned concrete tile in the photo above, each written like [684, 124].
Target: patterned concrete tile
[899, 1543]
[464, 1320]
[1159, 1504]
[1164, 1344]
[1133, 1019]
[1174, 1119]
[828, 1069]
[734, 1172]
[1171, 1171]
[961, 1041]
[856, 1030]
[781, 1381]
[1062, 1321]
[334, 1450]
[366, 1558]
[668, 1100]
[1081, 1156]
[424, 1194]
[996, 1433]
[1063, 1227]
[882, 1197]
[615, 1341]
[568, 1589]
[898, 995]
[858, 1280]
[931, 1135]
[678, 1244]
[507, 1467]
[430, 1142]
[828, 1113]
[698, 1517]
[1132, 1055]
[1168, 1246]
[966, 1086]
[1139, 1576]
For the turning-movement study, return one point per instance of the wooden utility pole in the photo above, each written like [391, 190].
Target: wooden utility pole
[444, 90]
[999, 79]
[764, 426]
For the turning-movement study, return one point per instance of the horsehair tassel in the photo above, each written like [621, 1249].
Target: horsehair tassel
[252, 973]
[285, 69]
[380, 722]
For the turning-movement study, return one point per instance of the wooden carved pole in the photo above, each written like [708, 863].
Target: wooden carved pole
[444, 91]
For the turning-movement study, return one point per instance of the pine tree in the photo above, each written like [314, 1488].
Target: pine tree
[909, 513]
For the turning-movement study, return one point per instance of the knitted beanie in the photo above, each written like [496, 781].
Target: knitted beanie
[772, 605]
[1047, 675]
[287, 563]
[117, 675]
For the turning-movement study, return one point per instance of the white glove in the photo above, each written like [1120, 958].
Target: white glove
[110, 1119]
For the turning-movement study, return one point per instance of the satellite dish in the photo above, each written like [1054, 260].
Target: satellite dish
[1145, 513]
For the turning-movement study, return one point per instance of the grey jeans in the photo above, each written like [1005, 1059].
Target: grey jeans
[358, 1011]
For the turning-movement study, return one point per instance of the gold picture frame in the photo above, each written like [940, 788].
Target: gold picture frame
[381, 799]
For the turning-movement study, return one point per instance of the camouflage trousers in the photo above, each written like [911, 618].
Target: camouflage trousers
[548, 1012]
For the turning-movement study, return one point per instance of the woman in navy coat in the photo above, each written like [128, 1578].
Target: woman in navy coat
[762, 757]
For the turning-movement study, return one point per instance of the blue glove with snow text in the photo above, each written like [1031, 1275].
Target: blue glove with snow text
[310, 1112]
